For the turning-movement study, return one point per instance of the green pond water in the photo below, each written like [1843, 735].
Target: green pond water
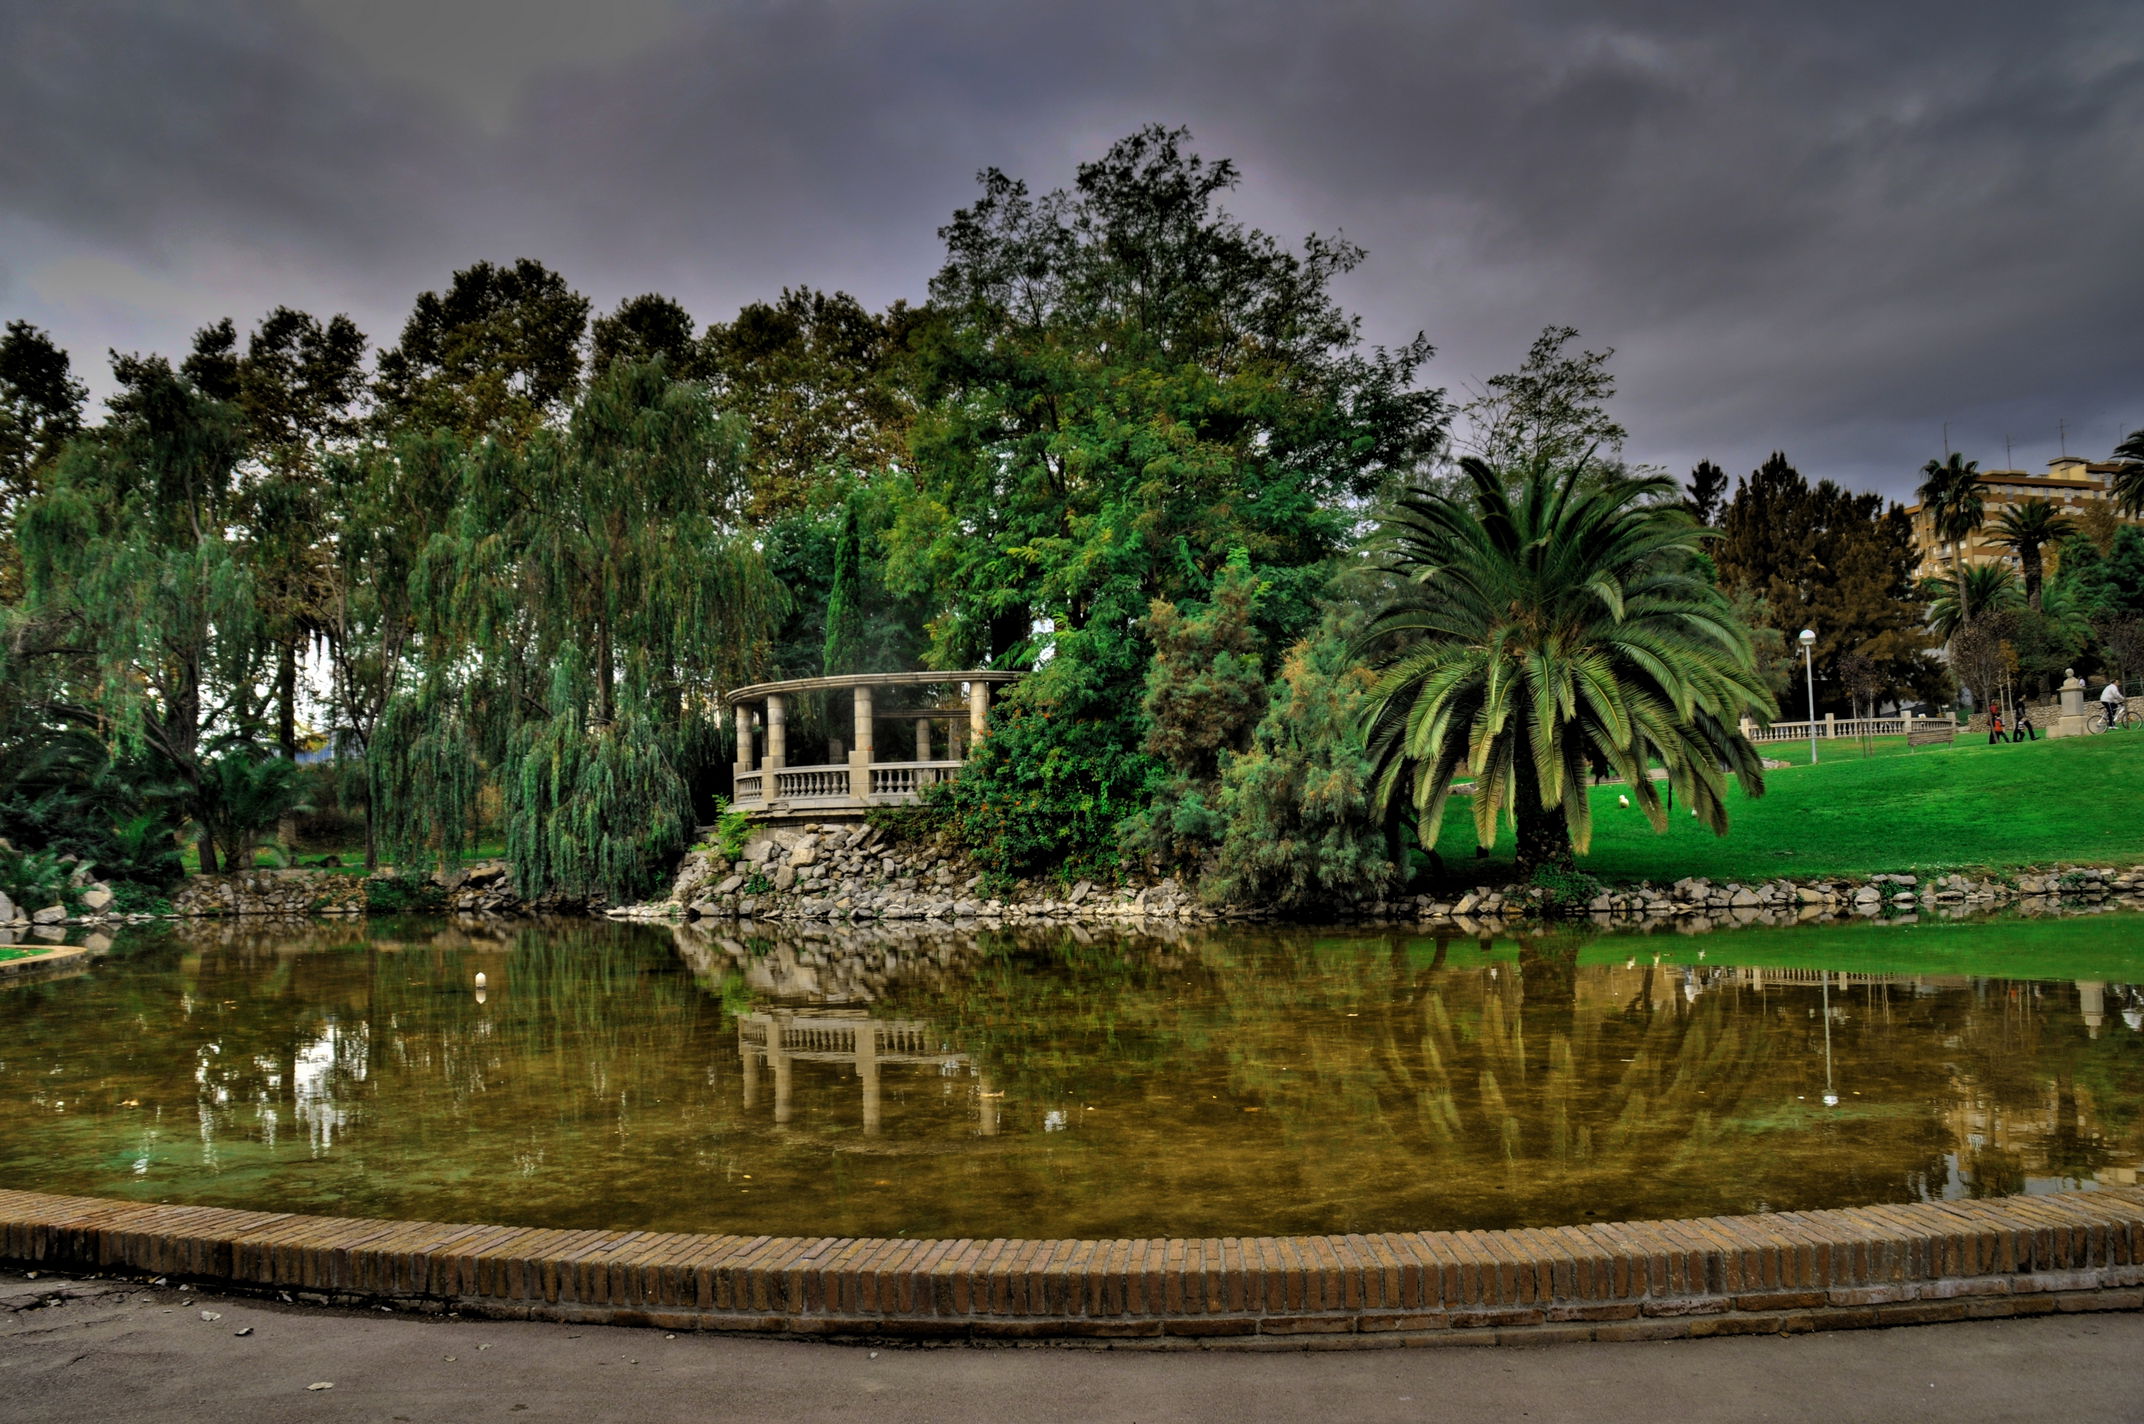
[1077, 1082]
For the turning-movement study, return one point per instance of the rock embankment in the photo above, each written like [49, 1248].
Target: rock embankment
[853, 872]
[834, 871]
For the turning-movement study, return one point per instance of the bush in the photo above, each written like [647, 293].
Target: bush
[396, 895]
[1298, 828]
[34, 879]
[1565, 890]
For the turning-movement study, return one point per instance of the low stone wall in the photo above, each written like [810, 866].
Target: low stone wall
[286, 893]
[1781, 1273]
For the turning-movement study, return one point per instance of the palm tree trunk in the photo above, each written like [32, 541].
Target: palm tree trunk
[1544, 836]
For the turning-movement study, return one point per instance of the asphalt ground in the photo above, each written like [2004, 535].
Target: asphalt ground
[84, 1351]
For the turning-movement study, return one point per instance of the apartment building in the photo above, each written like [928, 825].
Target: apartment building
[2072, 483]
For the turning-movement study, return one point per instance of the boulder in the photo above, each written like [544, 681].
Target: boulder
[50, 915]
[97, 899]
[7, 910]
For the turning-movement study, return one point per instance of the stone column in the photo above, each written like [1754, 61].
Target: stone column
[867, 1070]
[861, 750]
[923, 739]
[2071, 723]
[1831, 725]
[978, 709]
[777, 736]
[744, 739]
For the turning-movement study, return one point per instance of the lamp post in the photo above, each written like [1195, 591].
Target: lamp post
[1809, 668]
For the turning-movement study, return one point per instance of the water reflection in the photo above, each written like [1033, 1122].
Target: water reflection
[1075, 1081]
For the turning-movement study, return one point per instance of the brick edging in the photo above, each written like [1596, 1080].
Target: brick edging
[1785, 1272]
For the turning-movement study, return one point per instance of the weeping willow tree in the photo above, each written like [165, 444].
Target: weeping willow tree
[139, 622]
[579, 619]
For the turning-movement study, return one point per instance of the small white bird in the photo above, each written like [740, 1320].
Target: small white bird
[1622, 800]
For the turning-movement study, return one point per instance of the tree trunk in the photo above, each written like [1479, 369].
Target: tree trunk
[207, 847]
[1544, 836]
[2030, 558]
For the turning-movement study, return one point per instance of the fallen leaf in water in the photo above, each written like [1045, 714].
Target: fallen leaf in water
[324, 1384]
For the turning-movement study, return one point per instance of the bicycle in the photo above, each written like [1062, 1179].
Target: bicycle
[2120, 719]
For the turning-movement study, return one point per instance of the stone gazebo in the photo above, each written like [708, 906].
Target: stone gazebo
[771, 787]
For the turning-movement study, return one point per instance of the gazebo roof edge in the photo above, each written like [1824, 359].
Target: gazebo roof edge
[759, 690]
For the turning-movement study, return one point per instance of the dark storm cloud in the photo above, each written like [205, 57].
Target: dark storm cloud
[1824, 228]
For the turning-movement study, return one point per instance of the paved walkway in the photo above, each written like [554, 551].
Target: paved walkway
[108, 1351]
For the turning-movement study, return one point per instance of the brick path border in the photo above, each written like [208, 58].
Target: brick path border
[1781, 1273]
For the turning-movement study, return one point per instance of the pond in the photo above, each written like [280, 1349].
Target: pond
[1077, 1081]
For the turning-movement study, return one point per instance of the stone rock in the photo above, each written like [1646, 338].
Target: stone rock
[50, 915]
[730, 886]
[785, 877]
[7, 910]
[97, 899]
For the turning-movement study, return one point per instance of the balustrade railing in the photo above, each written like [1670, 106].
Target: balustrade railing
[909, 778]
[1833, 727]
[807, 782]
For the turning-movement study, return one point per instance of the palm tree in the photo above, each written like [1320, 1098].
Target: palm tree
[1950, 494]
[1989, 588]
[1543, 629]
[2128, 484]
[2026, 528]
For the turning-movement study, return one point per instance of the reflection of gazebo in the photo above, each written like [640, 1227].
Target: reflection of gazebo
[849, 1037]
[774, 788]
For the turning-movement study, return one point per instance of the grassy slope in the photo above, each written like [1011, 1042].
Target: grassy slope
[1965, 807]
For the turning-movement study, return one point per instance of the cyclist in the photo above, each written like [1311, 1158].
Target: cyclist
[2112, 704]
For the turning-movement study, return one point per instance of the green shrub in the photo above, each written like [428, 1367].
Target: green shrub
[1565, 890]
[34, 879]
[395, 895]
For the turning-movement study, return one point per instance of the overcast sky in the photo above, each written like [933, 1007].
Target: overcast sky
[1826, 226]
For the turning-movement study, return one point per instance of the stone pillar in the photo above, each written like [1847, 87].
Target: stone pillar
[744, 738]
[777, 736]
[1749, 728]
[750, 1055]
[1831, 725]
[867, 1071]
[923, 739]
[978, 708]
[860, 752]
[2071, 723]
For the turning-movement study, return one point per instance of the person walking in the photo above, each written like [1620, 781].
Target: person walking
[2024, 731]
[1995, 723]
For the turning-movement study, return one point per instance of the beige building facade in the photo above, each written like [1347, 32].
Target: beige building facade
[2072, 484]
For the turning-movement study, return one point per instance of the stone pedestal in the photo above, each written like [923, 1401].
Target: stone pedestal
[2072, 721]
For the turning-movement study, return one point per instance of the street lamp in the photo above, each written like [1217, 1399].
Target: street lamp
[1808, 642]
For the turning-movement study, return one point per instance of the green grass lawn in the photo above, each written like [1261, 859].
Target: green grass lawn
[1969, 806]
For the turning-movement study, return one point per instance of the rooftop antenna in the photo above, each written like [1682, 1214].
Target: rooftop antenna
[2009, 460]
[1946, 440]
[2062, 436]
